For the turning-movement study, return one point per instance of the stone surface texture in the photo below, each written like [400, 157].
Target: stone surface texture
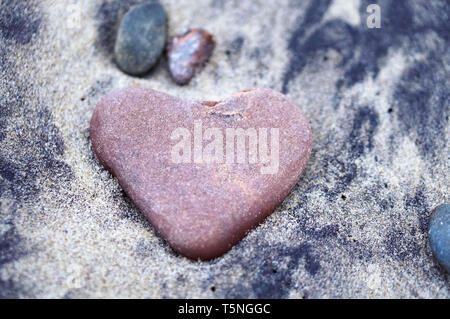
[355, 225]
[201, 207]
[141, 38]
[187, 54]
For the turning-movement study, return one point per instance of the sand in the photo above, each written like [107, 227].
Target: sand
[355, 226]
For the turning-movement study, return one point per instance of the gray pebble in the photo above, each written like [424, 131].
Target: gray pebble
[439, 234]
[141, 38]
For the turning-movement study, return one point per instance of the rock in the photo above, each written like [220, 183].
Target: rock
[141, 38]
[188, 54]
[439, 234]
[201, 195]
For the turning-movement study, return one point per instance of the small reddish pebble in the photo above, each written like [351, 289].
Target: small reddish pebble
[202, 190]
[188, 54]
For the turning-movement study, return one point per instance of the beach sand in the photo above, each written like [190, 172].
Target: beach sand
[355, 226]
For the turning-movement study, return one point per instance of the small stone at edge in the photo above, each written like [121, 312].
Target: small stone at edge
[439, 235]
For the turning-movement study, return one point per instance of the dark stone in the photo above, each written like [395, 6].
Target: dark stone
[439, 235]
[109, 15]
[141, 38]
[188, 54]
[202, 208]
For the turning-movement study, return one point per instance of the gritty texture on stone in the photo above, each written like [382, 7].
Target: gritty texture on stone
[141, 38]
[440, 235]
[188, 54]
[355, 225]
[201, 207]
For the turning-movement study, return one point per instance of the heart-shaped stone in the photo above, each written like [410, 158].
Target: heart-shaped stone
[203, 173]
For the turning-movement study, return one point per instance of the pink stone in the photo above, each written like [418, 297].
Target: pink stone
[200, 206]
[188, 54]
